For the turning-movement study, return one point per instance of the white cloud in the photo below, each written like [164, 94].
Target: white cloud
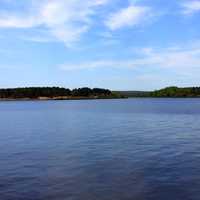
[191, 6]
[68, 20]
[96, 64]
[178, 59]
[65, 20]
[16, 22]
[127, 17]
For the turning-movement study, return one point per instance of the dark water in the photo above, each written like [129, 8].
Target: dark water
[131, 149]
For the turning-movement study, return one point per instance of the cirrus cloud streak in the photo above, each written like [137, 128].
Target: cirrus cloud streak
[172, 58]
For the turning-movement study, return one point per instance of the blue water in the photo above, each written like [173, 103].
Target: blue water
[128, 149]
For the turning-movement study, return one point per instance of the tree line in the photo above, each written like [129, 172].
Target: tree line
[56, 92]
[50, 92]
[166, 92]
[177, 92]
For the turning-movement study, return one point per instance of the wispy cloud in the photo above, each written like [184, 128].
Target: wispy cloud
[65, 20]
[96, 64]
[173, 58]
[191, 7]
[127, 17]
[68, 20]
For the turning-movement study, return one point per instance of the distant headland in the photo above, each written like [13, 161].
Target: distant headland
[168, 92]
[58, 93]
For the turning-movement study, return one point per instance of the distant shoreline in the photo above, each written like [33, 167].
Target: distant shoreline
[56, 93]
[89, 98]
[59, 98]
[168, 92]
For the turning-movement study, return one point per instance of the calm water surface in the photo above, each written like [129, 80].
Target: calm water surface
[129, 149]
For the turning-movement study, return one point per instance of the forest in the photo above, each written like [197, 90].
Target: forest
[85, 92]
[177, 92]
[53, 92]
[165, 92]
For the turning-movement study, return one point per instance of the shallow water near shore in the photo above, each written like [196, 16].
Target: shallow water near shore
[119, 149]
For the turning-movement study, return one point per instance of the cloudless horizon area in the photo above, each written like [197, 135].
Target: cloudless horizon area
[115, 44]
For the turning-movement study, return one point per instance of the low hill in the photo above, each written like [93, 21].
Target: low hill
[165, 92]
[177, 92]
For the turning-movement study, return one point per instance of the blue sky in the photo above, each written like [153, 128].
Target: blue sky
[116, 44]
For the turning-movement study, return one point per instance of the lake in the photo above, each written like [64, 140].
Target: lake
[123, 149]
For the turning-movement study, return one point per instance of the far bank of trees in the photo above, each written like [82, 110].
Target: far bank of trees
[85, 92]
[50, 92]
[166, 92]
[177, 92]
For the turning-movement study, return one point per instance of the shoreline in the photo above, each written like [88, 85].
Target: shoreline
[59, 98]
[88, 98]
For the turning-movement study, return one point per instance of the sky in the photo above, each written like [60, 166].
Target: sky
[115, 44]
